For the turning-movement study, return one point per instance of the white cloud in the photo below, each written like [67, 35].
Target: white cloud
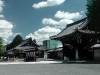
[82, 12]
[1, 5]
[5, 26]
[5, 29]
[62, 23]
[49, 21]
[65, 18]
[60, 45]
[43, 34]
[1, 16]
[48, 3]
[67, 15]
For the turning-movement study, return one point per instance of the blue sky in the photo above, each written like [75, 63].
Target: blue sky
[38, 19]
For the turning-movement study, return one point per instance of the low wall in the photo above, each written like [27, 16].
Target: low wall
[96, 54]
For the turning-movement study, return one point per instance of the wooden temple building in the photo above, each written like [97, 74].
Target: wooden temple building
[75, 38]
[28, 50]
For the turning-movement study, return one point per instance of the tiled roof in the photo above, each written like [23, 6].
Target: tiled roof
[93, 45]
[87, 31]
[41, 48]
[21, 47]
[24, 48]
[24, 42]
[71, 28]
[10, 53]
[96, 45]
[29, 47]
[55, 50]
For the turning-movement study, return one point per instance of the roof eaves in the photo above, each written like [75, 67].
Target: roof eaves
[72, 24]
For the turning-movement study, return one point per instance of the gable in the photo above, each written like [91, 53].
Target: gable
[27, 42]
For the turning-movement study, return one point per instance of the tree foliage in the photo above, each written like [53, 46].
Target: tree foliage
[1, 46]
[8, 46]
[16, 41]
[93, 14]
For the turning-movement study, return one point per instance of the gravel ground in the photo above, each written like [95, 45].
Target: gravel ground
[50, 69]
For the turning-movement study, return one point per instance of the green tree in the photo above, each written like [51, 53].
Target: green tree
[1, 46]
[8, 46]
[93, 14]
[16, 41]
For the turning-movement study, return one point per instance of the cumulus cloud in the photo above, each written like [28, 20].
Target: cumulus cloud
[5, 26]
[49, 21]
[1, 5]
[64, 22]
[5, 29]
[82, 12]
[65, 18]
[67, 15]
[61, 23]
[43, 34]
[48, 3]
[1, 16]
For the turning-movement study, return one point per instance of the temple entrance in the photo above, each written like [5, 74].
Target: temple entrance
[77, 52]
[69, 52]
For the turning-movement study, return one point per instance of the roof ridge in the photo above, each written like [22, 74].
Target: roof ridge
[76, 22]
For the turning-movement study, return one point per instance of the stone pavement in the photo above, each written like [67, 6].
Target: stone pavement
[39, 61]
[49, 61]
[50, 69]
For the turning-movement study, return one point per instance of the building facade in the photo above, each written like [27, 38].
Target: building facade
[50, 44]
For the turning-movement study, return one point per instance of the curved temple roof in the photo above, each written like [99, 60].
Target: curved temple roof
[71, 28]
[22, 45]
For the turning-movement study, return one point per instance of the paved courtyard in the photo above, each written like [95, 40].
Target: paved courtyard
[49, 69]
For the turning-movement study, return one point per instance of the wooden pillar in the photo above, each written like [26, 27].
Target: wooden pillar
[8, 58]
[3, 58]
[76, 54]
[13, 58]
[34, 55]
[63, 50]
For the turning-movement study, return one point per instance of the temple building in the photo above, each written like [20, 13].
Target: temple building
[76, 39]
[28, 50]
